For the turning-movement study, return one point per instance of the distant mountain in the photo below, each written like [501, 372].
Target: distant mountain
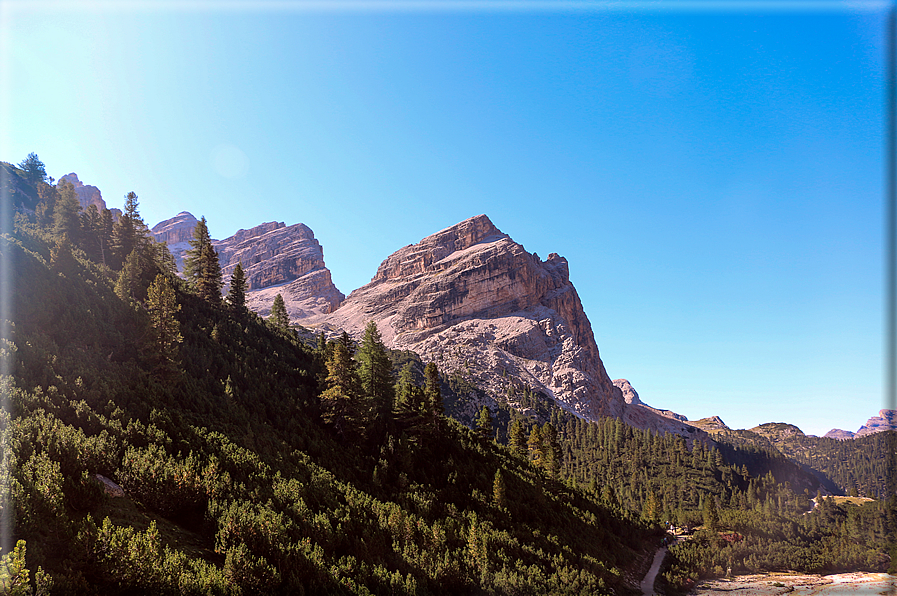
[87, 195]
[276, 259]
[886, 420]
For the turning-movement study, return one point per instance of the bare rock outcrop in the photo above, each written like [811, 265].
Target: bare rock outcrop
[841, 435]
[639, 414]
[176, 233]
[475, 302]
[276, 259]
[87, 195]
[886, 420]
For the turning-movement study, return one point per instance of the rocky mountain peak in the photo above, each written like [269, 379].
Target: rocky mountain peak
[886, 420]
[630, 396]
[276, 259]
[87, 195]
[175, 230]
[430, 254]
[477, 303]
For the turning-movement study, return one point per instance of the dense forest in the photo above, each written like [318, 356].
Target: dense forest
[256, 457]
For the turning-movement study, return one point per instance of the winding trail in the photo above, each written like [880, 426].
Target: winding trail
[647, 585]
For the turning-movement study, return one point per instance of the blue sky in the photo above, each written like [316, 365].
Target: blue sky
[713, 172]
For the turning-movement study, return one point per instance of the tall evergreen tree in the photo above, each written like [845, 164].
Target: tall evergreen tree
[279, 319]
[342, 396]
[498, 490]
[127, 287]
[34, 168]
[484, 424]
[161, 303]
[403, 388]
[433, 393]
[66, 214]
[517, 440]
[129, 232]
[236, 295]
[551, 449]
[534, 443]
[202, 269]
[375, 372]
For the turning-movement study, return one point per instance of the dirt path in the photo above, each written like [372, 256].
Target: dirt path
[647, 585]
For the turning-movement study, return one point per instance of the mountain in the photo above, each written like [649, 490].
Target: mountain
[176, 233]
[276, 259]
[639, 414]
[87, 195]
[472, 300]
[886, 420]
[475, 302]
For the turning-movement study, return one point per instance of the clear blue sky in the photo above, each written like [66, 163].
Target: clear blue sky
[714, 173]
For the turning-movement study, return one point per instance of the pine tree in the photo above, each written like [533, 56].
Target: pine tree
[498, 490]
[341, 398]
[34, 168]
[236, 295]
[279, 319]
[517, 440]
[534, 443]
[66, 218]
[403, 388]
[433, 393]
[129, 232]
[202, 269]
[484, 424]
[375, 373]
[551, 450]
[128, 285]
[161, 303]
[711, 517]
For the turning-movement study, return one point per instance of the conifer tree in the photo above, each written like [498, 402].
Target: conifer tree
[534, 443]
[484, 424]
[517, 440]
[127, 287]
[236, 295]
[129, 232]
[341, 398]
[66, 214]
[35, 170]
[279, 319]
[202, 269]
[498, 490]
[375, 373]
[161, 303]
[711, 517]
[433, 393]
[551, 450]
[403, 388]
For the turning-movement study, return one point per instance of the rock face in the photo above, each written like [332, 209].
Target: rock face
[176, 233]
[475, 302]
[88, 195]
[276, 259]
[639, 414]
[711, 424]
[837, 433]
[886, 420]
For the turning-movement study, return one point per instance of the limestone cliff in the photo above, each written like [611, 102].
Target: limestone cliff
[276, 259]
[87, 195]
[886, 420]
[641, 415]
[176, 233]
[478, 304]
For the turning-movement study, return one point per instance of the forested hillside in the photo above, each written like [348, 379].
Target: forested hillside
[255, 461]
[251, 462]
